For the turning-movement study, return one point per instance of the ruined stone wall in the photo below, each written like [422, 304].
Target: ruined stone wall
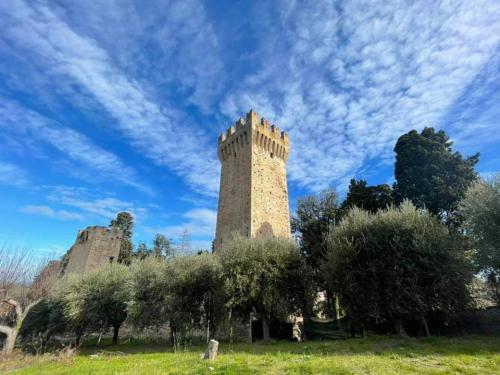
[253, 199]
[94, 246]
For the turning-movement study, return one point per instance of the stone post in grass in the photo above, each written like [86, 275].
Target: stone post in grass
[212, 349]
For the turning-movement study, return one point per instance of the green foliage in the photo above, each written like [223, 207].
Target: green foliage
[142, 251]
[162, 247]
[370, 198]
[148, 286]
[269, 277]
[481, 210]
[181, 291]
[429, 174]
[311, 222]
[400, 262]
[125, 222]
[43, 321]
[98, 299]
[192, 286]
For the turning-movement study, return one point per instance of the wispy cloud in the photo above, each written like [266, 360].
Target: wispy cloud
[162, 133]
[91, 205]
[347, 78]
[13, 175]
[18, 121]
[50, 212]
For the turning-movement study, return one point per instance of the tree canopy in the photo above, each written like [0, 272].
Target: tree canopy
[430, 174]
[98, 299]
[268, 277]
[370, 198]
[311, 222]
[125, 222]
[481, 211]
[396, 263]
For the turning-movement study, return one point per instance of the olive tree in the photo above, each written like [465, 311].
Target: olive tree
[97, 300]
[397, 263]
[180, 291]
[193, 283]
[267, 277]
[24, 283]
[481, 211]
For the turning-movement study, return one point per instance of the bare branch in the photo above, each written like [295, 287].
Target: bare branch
[5, 329]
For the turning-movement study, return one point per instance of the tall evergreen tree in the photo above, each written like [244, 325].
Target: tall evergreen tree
[430, 174]
[370, 198]
[125, 222]
[311, 222]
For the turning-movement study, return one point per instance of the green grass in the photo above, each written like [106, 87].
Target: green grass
[374, 355]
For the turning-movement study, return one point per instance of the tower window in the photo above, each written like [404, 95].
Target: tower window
[272, 155]
[111, 259]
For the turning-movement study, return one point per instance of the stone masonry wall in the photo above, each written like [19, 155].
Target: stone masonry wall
[253, 198]
[94, 246]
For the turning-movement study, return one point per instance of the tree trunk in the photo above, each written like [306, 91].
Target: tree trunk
[115, 334]
[362, 329]
[426, 327]
[79, 333]
[10, 340]
[250, 321]
[337, 311]
[353, 329]
[399, 328]
[230, 326]
[12, 332]
[265, 328]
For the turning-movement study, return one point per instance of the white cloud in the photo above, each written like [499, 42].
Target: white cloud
[91, 206]
[23, 123]
[50, 212]
[347, 78]
[160, 132]
[11, 174]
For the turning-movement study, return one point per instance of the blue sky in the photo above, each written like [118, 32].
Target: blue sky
[116, 105]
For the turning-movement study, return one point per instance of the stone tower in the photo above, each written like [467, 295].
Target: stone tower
[253, 198]
[94, 246]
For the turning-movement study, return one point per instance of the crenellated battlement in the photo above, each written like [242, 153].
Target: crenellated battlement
[253, 200]
[259, 132]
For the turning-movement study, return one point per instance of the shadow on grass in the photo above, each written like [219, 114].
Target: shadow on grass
[374, 345]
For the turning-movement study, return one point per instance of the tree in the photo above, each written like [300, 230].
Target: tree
[430, 175]
[184, 245]
[148, 287]
[125, 222]
[481, 210]
[162, 247]
[370, 198]
[193, 283]
[98, 299]
[181, 291]
[265, 277]
[395, 264]
[311, 222]
[142, 251]
[23, 285]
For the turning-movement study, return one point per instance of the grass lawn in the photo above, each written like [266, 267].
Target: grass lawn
[373, 355]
